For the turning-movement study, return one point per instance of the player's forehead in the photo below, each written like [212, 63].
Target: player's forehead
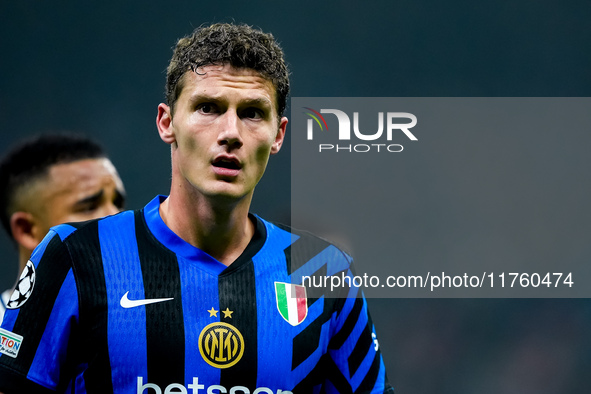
[226, 80]
[84, 168]
[81, 176]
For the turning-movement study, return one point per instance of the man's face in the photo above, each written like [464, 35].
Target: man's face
[77, 191]
[225, 126]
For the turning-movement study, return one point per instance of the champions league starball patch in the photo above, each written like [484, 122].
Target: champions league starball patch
[23, 288]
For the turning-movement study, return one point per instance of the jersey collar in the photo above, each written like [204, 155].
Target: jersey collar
[176, 244]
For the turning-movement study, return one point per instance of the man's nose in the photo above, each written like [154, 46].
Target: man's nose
[230, 134]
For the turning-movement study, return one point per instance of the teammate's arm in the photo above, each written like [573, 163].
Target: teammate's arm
[40, 322]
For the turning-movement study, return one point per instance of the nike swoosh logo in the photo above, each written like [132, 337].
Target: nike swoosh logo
[127, 303]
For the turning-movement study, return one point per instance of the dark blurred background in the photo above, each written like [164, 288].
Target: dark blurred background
[99, 68]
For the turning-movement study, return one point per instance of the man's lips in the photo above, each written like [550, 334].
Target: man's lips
[226, 166]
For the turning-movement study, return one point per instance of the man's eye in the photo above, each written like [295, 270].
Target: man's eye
[252, 113]
[206, 108]
[87, 208]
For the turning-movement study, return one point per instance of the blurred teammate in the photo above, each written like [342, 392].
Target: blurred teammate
[53, 179]
[192, 294]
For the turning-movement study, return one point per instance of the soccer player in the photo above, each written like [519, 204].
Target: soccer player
[53, 179]
[193, 294]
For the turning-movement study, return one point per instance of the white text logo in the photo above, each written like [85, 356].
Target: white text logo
[195, 388]
[395, 122]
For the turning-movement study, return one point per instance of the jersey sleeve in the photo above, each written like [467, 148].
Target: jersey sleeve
[40, 321]
[354, 351]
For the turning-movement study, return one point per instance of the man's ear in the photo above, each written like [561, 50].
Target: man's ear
[280, 136]
[25, 229]
[164, 124]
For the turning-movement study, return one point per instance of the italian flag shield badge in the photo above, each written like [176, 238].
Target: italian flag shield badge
[291, 302]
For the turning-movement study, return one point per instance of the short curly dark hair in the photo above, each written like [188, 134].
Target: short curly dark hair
[240, 46]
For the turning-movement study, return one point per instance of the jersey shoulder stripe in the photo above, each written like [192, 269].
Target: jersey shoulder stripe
[84, 247]
[52, 265]
[165, 328]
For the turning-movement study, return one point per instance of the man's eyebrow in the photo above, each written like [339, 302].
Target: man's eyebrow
[255, 101]
[259, 101]
[91, 199]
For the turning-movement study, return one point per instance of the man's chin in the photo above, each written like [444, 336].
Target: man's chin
[229, 194]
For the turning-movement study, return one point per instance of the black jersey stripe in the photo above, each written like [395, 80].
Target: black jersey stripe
[368, 383]
[256, 243]
[165, 332]
[46, 275]
[92, 290]
[78, 225]
[307, 341]
[339, 339]
[336, 377]
[360, 350]
[314, 378]
[303, 250]
[302, 346]
[12, 382]
[315, 286]
[237, 294]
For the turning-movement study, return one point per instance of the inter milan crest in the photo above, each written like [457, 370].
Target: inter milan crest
[221, 345]
[23, 288]
[291, 302]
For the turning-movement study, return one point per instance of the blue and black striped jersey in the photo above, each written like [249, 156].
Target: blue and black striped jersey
[123, 305]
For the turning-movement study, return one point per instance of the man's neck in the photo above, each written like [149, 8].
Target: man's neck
[223, 230]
